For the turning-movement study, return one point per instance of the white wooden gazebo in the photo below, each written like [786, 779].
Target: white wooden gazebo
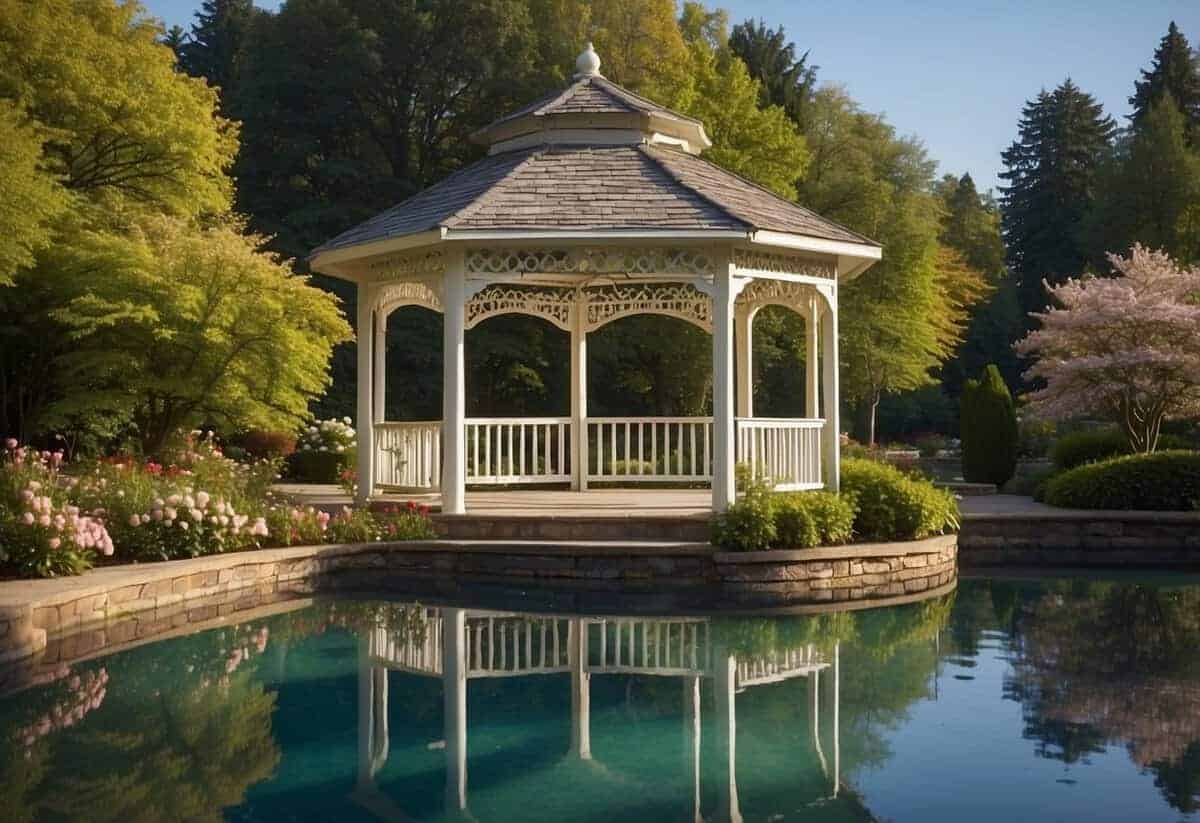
[593, 204]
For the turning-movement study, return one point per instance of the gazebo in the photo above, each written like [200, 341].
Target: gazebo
[593, 204]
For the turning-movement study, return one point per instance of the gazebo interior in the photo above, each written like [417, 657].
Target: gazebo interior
[592, 205]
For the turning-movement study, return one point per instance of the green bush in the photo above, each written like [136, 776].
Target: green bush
[749, 524]
[316, 467]
[988, 422]
[890, 505]
[807, 519]
[1082, 447]
[1162, 481]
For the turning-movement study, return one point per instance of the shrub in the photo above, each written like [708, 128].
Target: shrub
[268, 445]
[408, 522]
[1162, 481]
[893, 506]
[806, 519]
[988, 423]
[1079, 448]
[749, 524]
[323, 451]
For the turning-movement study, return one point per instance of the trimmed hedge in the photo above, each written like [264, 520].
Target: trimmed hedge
[1082, 447]
[890, 505]
[807, 519]
[988, 422]
[1162, 481]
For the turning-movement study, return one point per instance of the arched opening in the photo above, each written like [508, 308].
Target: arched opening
[518, 365]
[780, 344]
[649, 365]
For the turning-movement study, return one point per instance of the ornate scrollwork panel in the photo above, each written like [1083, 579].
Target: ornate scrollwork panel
[409, 265]
[753, 260]
[589, 260]
[413, 293]
[795, 296]
[680, 300]
[554, 305]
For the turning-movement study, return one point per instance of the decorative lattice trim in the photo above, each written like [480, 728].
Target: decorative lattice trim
[552, 304]
[589, 260]
[753, 260]
[395, 295]
[409, 265]
[681, 300]
[795, 296]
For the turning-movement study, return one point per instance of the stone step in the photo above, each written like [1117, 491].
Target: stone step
[557, 528]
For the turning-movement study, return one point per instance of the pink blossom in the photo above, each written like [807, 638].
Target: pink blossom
[11, 444]
[54, 543]
[135, 520]
[27, 518]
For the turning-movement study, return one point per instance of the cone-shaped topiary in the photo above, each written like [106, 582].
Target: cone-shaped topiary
[988, 423]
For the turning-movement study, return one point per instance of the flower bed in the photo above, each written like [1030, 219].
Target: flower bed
[60, 520]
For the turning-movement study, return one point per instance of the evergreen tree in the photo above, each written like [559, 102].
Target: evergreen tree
[1175, 71]
[989, 430]
[786, 80]
[1149, 193]
[217, 46]
[1050, 170]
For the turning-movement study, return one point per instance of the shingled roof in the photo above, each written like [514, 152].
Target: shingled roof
[601, 188]
[593, 157]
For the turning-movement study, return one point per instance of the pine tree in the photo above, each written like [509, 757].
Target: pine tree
[1051, 170]
[1175, 71]
[989, 430]
[216, 48]
[786, 80]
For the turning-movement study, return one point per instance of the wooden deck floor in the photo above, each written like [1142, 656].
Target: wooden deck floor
[534, 503]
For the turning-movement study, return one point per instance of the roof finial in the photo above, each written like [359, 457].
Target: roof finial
[588, 63]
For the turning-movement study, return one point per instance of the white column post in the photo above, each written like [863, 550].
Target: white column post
[454, 705]
[579, 410]
[691, 730]
[724, 490]
[743, 341]
[380, 372]
[725, 685]
[831, 433]
[812, 368]
[365, 412]
[454, 406]
[581, 690]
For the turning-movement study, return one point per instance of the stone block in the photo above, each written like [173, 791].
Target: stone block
[916, 561]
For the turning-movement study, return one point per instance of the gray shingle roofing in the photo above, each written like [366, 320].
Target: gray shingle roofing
[608, 188]
[590, 95]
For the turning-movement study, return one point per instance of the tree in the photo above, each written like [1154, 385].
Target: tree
[1051, 173]
[971, 226]
[786, 80]
[905, 314]
[1175, 71]
[989, 430]
[189, 327]
[642, 47]
[1123, 348]
[217, 45]
[1149, 192]
[32, 198]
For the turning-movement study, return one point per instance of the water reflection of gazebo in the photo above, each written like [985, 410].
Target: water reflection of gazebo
[459, 645]
[592, 205]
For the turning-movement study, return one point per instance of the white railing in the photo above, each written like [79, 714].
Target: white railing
[649, 449]
[779, 665]
[409, 455]
[420, 653]
[785, 451]
[518, 450]
[653, 646]
[499, 646]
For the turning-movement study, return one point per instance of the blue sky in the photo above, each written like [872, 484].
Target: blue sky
[955, 74]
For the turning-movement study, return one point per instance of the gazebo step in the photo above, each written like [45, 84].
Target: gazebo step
[676, 529]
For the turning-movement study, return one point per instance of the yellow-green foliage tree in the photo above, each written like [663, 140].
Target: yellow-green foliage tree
[31, 198]
[134, 255]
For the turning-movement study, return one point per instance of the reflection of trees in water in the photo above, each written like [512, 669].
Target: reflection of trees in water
[184, 731]
[1106, 663]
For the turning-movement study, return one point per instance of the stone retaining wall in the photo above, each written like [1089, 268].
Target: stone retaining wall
[839, 573]
[166, 596]
[1074, 538]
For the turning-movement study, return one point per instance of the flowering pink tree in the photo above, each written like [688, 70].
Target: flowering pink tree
[1126, 347]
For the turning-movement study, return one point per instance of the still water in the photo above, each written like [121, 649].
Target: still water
[1053, 699]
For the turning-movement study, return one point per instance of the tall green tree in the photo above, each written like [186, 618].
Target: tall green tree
[786, 80]
[971, 226]
[1149, 192]
[1175, 71]
[32, 198]
[1050, 174]
[216, 48]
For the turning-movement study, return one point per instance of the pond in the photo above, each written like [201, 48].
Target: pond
[1010, 699]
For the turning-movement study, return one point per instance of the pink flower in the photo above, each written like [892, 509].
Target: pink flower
[135, 520]
[27, 518]
[55, 543]
[11, 444]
